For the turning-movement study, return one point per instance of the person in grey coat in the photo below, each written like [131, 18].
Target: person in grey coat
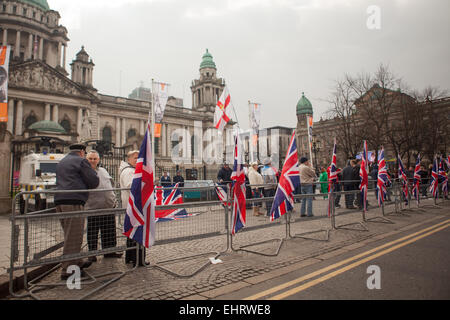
[74, 172]
[106, 224]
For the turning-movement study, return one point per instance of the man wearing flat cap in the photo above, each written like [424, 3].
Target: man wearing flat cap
[74, 172]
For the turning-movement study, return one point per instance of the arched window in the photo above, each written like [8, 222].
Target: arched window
[65, 123]
[131, 133]
[107, 134]
[30, 119]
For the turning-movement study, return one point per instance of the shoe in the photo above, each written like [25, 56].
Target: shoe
[92, 259]
[85, 265]
[303, 215]
[65, 275]
[337, 206]
[113, 255]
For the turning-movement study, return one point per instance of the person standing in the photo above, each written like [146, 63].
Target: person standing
[165, 180]
[74, 172]
[179, 179]
[270, 180]
[255, 178]
[126, 171]
[323, 178]
[308, 178]
[106, 224]
[347, 176]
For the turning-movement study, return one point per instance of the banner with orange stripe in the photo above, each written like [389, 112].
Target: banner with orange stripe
[160, 97]
[4, 63]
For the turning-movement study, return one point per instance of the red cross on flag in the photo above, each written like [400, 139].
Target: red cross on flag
[223, 108]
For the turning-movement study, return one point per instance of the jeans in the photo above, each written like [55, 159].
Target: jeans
[269, 193]
[307, 189]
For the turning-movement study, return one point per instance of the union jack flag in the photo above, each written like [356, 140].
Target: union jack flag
[382, 178]
[417, 180]
[238, 177]
[434, 179]
[139, 224]
[403, 179]
[222, 194]
[443, 177]
[332, 177]
[364, 176]
[289, 181]
[166, 196]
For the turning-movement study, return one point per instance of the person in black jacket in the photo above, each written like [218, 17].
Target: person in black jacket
[347, 177]
[179, 179]
[224, 175]
[74, 172]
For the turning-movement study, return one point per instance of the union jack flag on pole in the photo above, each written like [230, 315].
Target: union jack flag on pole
[364, 176]
[382, 178]
[403, 178]
[443, 177]
[417, 180]
[332, 177]
[238, 177]
[139, 224]
[434, 179]
[223, 109]
[289, 181]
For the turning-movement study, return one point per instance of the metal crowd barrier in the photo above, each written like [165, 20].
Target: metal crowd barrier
[203, 230]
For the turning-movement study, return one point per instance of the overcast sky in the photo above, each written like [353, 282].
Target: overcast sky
[268, 51]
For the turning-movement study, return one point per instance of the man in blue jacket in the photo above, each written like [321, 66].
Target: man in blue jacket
[74, 172]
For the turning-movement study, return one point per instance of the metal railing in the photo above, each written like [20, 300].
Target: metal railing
[202, 230]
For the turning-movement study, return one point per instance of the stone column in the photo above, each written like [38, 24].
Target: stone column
[124, 132]
[17, 49]
[79, 121]
[5, 37]
[10, 124]
[41, 49]
[47, 112]
[163, 140]
[64, 57]
[59, 54]
[141, 127]
[19, 117]
[118, 144]
[29, 50]
[55, 115]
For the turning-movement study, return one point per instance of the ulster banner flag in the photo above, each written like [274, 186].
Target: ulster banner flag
[223, 109]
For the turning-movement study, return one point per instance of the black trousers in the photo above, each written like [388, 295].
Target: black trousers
[107, 226]
[269, 193]
[130, 255]
[348, 197]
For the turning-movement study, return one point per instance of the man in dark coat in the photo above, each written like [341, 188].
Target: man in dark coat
[179, 179]
[224, 175]
[165, 180]
[347, 177]
[74, 172]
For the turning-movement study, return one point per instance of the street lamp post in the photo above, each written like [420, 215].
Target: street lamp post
[315, 149]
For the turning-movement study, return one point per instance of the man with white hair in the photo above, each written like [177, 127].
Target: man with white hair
[106, 224]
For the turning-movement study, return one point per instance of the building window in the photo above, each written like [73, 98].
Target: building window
[14, 9]
[107, 134]
[65, 123]
[157, 143]
[24, 11]
[131, 133]
[30, 119]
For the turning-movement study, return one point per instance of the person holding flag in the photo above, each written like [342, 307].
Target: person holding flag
[443, 178]
[332, 178]
[289, 181]
[403, 179]
[238, 189]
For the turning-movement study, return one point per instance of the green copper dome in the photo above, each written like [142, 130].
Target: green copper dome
[49, 126]
[207, 61]
[42, 4]
[304, 106]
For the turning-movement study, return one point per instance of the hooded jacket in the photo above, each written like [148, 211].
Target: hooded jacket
[126, 173]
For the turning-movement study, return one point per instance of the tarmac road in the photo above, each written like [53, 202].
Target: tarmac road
[411, 265]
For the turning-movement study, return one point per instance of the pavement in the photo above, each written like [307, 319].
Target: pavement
[199, 279]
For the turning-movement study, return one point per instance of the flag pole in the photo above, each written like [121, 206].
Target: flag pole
[152, 126]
